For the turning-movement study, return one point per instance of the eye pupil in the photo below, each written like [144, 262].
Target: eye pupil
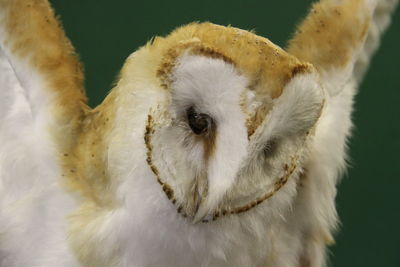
[199, 123]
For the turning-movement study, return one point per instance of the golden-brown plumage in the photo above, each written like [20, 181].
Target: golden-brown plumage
[88, 142]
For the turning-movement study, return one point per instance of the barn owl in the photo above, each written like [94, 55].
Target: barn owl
[215, 148]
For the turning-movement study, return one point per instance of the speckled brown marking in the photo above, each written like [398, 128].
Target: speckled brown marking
[331, 33]
[169, 192]
[87, 157]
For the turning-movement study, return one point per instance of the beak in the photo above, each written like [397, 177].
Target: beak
[203, 214]
[223, 166]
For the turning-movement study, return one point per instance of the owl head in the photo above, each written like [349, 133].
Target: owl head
[223, 117]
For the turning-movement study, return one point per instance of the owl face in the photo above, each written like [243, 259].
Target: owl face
[227, 132]
[201, 145]
[203, 137]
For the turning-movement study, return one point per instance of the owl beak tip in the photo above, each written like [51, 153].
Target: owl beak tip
[204, 212]
[201, 217]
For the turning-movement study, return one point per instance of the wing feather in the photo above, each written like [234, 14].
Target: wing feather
[379, 23]
[42, 104]
[41, 83]
[42, 59]
[339, 38]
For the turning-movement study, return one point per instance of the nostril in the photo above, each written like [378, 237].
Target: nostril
[198, 122]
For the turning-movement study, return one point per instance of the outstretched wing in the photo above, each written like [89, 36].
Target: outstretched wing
[379, 22]
[41, 101]
[339, 38]
[41, 59]
[41, 85]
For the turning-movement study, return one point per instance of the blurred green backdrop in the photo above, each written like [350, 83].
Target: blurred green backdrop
[106, 32]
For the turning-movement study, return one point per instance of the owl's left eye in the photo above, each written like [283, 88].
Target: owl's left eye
[198, 122]
[270, 148]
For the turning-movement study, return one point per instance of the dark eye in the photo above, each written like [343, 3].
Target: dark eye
[270, 148]
[198, 122]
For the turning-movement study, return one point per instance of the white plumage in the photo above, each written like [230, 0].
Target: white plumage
[215, 148]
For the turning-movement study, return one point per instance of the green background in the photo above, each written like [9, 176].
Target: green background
[106, 32]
